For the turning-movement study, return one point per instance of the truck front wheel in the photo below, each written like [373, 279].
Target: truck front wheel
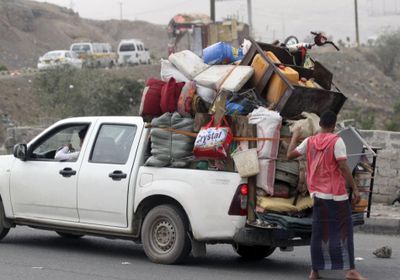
[165, 235]
[253, 252]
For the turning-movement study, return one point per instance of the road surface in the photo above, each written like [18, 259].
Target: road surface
[32, 254]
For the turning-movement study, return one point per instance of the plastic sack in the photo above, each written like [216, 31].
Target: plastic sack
[206, 94]
[221, 53]
[188, 63]
[309, 126]
[168, 70]
[268, 126]
[167, 147]
[185, 99]
[213, 142]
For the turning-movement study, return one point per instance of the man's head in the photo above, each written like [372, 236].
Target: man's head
[327, 120]
[82, 134]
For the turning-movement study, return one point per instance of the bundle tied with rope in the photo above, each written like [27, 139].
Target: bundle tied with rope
[169, 148]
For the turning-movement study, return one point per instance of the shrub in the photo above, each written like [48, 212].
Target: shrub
[386, 48]
[66, 92]
[3, 67]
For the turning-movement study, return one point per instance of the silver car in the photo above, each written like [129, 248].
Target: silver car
[59, 58]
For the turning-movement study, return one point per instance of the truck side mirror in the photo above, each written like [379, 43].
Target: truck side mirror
[21, 151]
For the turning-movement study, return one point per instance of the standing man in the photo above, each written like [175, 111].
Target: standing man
[332, 244]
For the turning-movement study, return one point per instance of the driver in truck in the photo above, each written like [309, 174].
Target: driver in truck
[332, 246]
[68, 152]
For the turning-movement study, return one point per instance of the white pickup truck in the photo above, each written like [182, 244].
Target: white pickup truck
[107, 191]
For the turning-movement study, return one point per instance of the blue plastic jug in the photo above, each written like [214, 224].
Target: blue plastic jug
[221, 53]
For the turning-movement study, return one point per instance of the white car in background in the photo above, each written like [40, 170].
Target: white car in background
[132, 52]
[59, 58]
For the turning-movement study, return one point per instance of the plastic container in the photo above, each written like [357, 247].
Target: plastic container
[276, 87]
[260, 66]
[246, 162]
[221, 53]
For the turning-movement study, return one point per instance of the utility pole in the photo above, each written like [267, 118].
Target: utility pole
[120, 10]
[356, 16]
[250, 16]
[212, 10]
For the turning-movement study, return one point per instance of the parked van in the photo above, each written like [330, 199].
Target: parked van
[95, 54]
[132, 52]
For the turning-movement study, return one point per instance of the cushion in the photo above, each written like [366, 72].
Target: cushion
[151, 98]
[169, 95]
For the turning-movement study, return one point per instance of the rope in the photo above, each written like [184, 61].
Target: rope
[236, 138]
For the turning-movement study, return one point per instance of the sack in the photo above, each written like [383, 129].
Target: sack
[168, 70]
[185, 99]
[151, 97]
[213, 142]
[169, 95]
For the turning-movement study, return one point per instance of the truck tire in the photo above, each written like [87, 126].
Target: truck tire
[253, 252]
[165, 235]
[3, 229]
[69, 235]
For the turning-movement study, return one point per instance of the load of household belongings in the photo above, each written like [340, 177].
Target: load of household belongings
[196, 104]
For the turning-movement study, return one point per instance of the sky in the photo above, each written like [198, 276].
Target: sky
[271, 19]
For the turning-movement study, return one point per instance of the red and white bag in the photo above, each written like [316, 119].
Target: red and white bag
[213, 142]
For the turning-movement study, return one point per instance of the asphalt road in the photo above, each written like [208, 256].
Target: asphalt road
[31, 254]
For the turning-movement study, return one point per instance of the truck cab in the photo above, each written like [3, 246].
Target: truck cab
[107, 191]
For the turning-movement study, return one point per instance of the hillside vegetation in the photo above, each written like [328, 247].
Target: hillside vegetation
[368, 76]
[28, 29]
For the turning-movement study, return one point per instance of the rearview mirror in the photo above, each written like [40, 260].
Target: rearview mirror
[20, 151]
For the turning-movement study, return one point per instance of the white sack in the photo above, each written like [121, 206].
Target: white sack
[309, 126]
[206, 94]
[168, 70]
[268, 126]
[266, 176]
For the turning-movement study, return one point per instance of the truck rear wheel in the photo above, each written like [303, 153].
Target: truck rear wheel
[3, 229]
[253, 252]
[165, 235]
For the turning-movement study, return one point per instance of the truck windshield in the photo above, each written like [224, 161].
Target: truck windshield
[84, 48]
[127, 48]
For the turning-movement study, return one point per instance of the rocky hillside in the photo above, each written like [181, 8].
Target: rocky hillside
[369, 91]
[28, 29]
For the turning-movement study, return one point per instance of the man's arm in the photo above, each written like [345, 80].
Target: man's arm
[63, 155]
[345, 170]
[292, 153]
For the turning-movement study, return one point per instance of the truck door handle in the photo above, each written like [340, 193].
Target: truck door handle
[67, 172]
[117, 175]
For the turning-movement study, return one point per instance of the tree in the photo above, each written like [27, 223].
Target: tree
[387, 49]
